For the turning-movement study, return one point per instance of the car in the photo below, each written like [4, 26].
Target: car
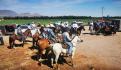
[7, 29]
[3, 30]
[23, 28]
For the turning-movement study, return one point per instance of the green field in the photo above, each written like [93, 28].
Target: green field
[39, 21]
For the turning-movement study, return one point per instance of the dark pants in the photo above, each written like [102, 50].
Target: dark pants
[1, 41]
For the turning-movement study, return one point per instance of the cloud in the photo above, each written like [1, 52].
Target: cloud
[32, 5]
[41, 4]
[52, 7]
[62, 3]
[8, 2]
[117, 2]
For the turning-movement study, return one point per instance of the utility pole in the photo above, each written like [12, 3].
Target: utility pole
[102, 12]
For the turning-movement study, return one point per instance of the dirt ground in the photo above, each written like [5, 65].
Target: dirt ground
[97, 52]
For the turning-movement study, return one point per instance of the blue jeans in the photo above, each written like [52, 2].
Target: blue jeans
[44, 35]
[70, 47]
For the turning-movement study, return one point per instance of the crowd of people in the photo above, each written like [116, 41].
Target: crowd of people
[68, 31]
[105, 28]
[51, 32]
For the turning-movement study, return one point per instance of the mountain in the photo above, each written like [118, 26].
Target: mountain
[29, 14]
[8, 13]
[11, 13]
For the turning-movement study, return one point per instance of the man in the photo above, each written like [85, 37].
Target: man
[44, 32]
[91, 26]
[75, 27]
[67, 40]
[1, 38]
[51, 35]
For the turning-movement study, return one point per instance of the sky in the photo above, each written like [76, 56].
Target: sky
[64, 7]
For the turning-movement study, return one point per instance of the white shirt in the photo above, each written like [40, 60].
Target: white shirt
[75, 26]
[51, 25]
[62, 25]
[91, 24]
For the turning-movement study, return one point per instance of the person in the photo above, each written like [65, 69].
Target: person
[1, 38]
[44, 32]
[91, 26]
[67, 41]
[75, 27]
[51, 35]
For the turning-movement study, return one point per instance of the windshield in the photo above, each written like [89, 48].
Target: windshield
[24, 27]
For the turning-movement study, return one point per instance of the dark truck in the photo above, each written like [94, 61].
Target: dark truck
[10, 29]
[117, 22]
[7, 29]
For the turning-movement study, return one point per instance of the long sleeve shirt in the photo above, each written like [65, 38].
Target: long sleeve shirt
[51, 32]
[66, 37]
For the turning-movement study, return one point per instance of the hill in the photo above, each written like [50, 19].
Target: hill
[8, 13]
